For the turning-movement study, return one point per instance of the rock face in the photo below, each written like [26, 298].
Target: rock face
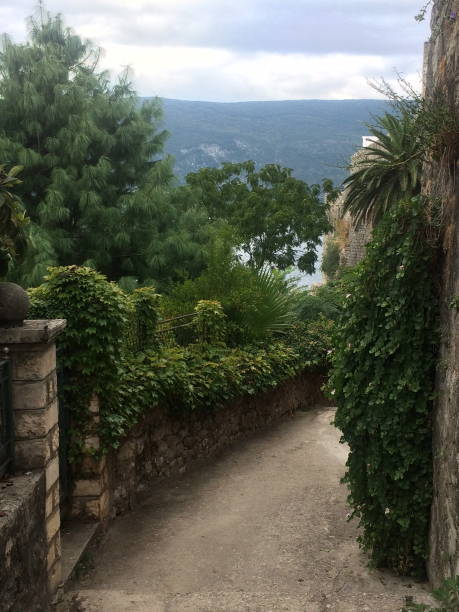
[441, 72]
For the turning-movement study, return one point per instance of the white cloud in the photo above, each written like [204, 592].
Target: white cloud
[222, 75]
[246, 49]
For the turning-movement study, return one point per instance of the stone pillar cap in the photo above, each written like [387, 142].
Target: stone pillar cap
[40, 331]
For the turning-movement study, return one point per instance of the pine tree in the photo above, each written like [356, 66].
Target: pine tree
[93, 184]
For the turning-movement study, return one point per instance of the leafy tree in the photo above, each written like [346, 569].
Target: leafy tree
[13, 222]
[92, 182]
[387, 171]
[323, 300]
[277, 219]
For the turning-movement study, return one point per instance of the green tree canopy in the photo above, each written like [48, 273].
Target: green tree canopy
[277, 219]
[92, 183]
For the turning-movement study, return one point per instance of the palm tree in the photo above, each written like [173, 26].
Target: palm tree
[387, 171]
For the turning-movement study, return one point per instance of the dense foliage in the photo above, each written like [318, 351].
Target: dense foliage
[257, 304]
[313, 302]
[13, 221]
[382, 381]
[198, 377]
[276, 219]
[92, 181]
[93, 343]
[111, 348]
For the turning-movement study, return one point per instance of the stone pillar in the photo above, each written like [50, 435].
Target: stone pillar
[91, 494]
[32, 352]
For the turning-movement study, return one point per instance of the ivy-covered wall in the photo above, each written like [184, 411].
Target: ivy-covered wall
[166, 443]
[123, 385]
[441, 71]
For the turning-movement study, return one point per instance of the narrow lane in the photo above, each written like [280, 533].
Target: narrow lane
[260, 528]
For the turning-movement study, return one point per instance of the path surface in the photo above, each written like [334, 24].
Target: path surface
[261, 528]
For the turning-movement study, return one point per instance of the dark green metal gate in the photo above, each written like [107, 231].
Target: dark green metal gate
[64, 435]
[6, 420]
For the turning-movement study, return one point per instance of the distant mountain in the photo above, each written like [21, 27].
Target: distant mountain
[313, 137]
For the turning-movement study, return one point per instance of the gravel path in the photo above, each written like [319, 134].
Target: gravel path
[260, 528]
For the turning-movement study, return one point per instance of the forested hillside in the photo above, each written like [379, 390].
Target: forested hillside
[313, 137]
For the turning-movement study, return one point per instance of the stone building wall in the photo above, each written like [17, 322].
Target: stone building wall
[30, 545]
[358, 238]
[23, 545]
[352, 237]
[165, 444]
[441, 70]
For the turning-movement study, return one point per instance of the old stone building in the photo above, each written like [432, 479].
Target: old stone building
[352, 237]
[441, 78]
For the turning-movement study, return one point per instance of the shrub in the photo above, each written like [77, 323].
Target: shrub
[209, 322]
[142, 331]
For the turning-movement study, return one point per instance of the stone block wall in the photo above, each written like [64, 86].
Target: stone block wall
[164, 444]
[355, 249]
[23, 545]
[441, 70]
[32, 353]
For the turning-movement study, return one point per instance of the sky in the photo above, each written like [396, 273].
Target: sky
[237, 50]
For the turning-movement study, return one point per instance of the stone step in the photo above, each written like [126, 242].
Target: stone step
[76, 536]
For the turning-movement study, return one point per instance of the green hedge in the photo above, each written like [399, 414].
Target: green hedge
[110, 347]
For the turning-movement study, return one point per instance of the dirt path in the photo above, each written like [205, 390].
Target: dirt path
[261, 528]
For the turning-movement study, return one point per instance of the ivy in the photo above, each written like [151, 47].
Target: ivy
[382, 380]
[210, 321]
[196, 378]
[142, 331]
[92, 346]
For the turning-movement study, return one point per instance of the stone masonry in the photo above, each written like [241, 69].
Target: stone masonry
[23, 545]
[442, 73]
[166, 443]
[32, 352]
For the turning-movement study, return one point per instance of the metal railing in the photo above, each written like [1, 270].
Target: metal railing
[174, 331]
[6, 420]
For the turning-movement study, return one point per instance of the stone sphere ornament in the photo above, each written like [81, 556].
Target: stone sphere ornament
[14, 305]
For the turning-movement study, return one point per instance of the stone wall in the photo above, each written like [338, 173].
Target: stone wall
[23, 545]
[441, 70]
[165, 444]
[352, 236]
[355, 249]
[31, 351]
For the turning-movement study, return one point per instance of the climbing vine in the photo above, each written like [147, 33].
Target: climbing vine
[210, 321]
[92, 346]
[382, 381]
[110, 348]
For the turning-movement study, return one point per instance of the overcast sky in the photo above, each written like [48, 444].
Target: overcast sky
[231, 50]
